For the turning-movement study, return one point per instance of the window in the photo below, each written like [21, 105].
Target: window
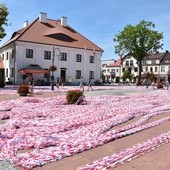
[2, 56]
[153, 61]
[7, 56]
[7, 72]
[136, 69]
[78, 57]
[144, 62]
[47, 55]
[29, 53]
[104, 65]
[167, 61]
[12, 71]
[129, 70]
[131, 62]
[117, 70]
[78, 74]
[112, 70]
[146, 68]
[127, 63]
[156, 69]
[47, 75]
[162, 69]
[91, 74]
[151, 69]
[13, 53]
[63, 57]
[91, 59]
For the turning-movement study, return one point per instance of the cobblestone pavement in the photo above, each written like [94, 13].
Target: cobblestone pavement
[155, 160]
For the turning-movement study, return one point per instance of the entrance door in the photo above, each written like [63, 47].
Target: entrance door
[2, 78]
[63, 74]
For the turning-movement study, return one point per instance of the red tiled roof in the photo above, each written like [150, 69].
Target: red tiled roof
[53, 33]
[115, 64]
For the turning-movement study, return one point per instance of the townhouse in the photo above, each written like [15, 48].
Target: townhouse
[157, 63]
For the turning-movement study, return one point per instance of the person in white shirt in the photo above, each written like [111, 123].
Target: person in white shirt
[81, 83]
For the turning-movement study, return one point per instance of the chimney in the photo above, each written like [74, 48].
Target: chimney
[64, 21]
[25, 24]
[43, 17]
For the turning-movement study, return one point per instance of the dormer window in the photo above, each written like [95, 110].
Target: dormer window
[62, 37]
[167, 61]
[153, 61]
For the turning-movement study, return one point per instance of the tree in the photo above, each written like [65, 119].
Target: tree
[127, 75]
[139, 42]
[3, 19]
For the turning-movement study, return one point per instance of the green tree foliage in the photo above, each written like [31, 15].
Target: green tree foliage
[3, 19]
[127, 75]
[138, 41]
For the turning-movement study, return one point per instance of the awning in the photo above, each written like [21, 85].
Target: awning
[33, 69]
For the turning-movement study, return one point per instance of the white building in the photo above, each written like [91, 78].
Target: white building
[157, 63]
[106, 71]
[43, 40]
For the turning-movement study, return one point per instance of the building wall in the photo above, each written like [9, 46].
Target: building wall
[38, 58]
[161, 71]
[129, 66]
[106, 70]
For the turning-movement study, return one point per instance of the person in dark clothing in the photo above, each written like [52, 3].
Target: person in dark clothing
[90, 85]
[61, 81]
[31, 83]
[58, 83]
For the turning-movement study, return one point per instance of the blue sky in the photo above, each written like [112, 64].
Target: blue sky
[98, 20]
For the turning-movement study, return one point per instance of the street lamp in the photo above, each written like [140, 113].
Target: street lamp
[52, 74]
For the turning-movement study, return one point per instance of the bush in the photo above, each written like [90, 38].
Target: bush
[73, 95]
[23, 90]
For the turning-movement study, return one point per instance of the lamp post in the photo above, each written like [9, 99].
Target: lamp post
[52, 74]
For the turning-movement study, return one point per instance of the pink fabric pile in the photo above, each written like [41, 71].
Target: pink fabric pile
[51, 130]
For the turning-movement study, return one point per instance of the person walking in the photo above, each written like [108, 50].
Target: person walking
[90, 85]
[61, 81]
[58, 83]
[31, 83]
[148, 82]
[70, 81]
[81, 83]
[167, 84]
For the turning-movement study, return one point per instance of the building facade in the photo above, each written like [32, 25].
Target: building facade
[157, 64]
[46, 42]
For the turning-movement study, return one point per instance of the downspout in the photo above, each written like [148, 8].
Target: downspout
[14, 44]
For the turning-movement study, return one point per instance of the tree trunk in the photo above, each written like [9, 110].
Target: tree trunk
[140, 71]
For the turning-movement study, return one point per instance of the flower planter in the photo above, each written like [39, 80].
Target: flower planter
[23, 94]
[23, 90]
